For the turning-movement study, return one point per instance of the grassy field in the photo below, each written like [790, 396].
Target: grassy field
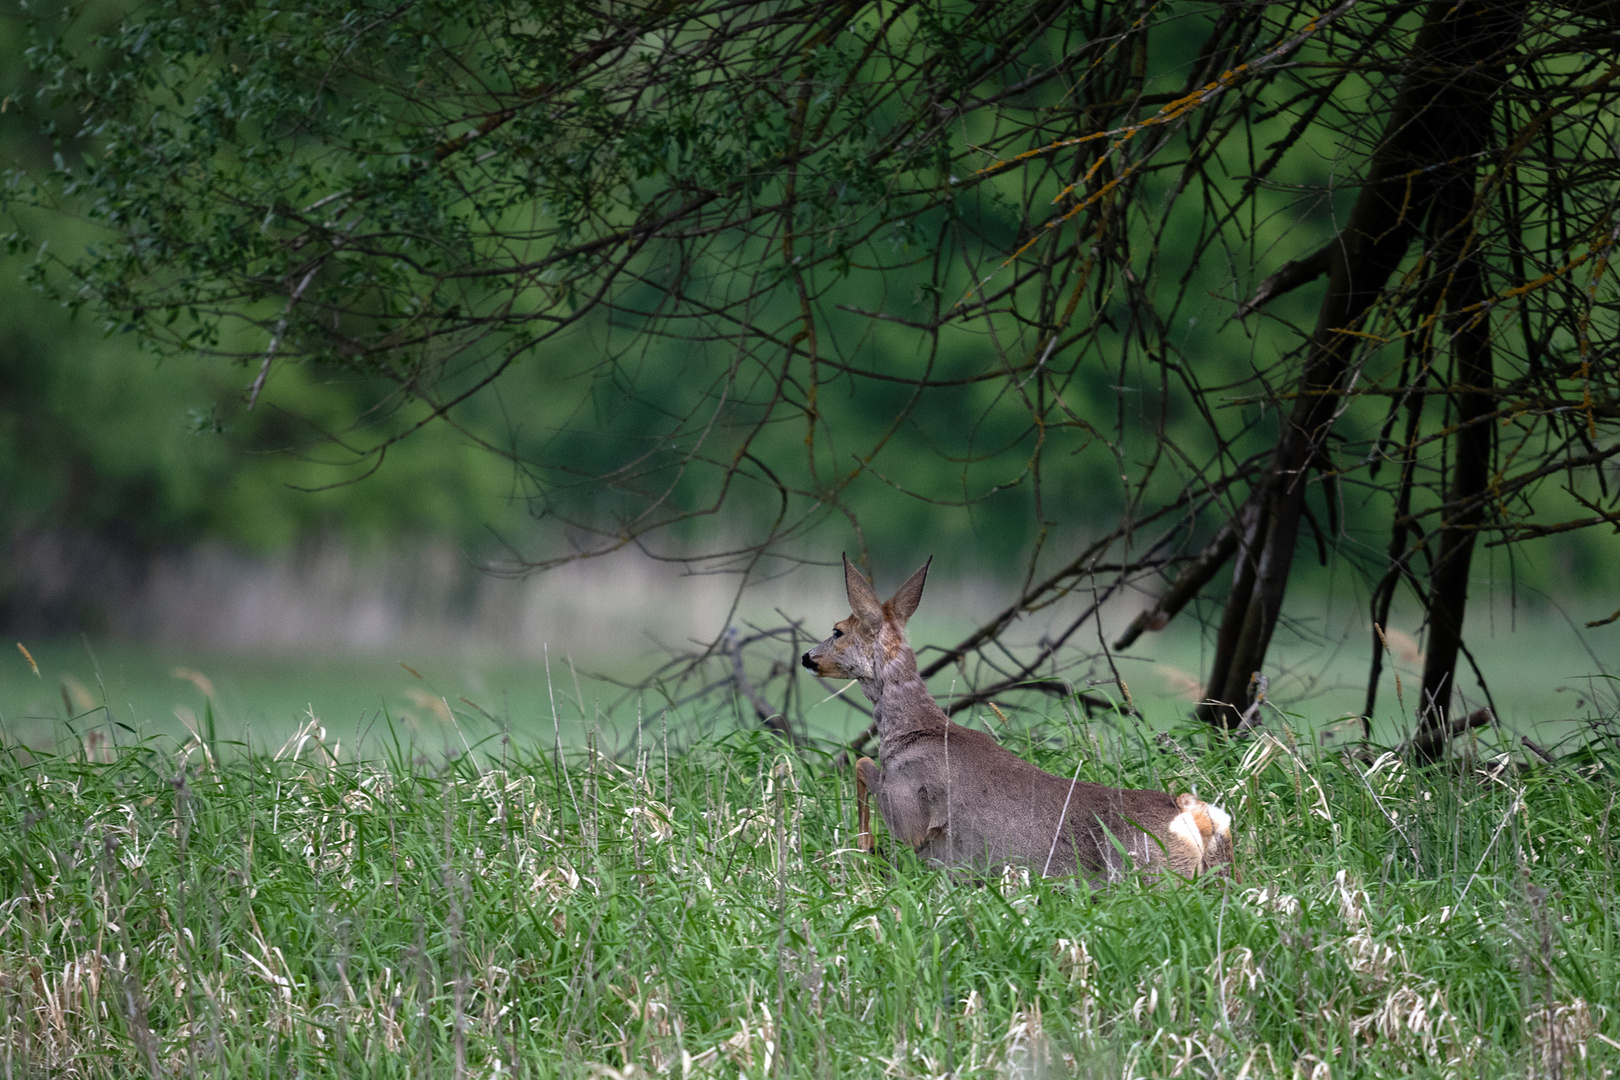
[164, 912]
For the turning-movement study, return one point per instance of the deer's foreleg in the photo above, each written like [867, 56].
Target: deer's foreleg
[866, 778]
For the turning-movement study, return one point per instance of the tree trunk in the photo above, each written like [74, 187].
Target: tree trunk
[1439, 122]
[1468, 328]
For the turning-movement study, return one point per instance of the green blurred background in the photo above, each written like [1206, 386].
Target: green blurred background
[151, 524]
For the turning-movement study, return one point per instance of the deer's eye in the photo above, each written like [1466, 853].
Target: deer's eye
[837, 633]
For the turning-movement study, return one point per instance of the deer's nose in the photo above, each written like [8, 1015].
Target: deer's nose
[807, 662]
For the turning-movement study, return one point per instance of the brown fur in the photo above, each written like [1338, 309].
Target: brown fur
[960, 799]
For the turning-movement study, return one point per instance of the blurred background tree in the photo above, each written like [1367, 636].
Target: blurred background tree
[1129, 296]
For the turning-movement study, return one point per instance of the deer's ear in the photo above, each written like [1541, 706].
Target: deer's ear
[862, 600]
[905, 601]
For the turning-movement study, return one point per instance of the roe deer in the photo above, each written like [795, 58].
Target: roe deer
[962, 800]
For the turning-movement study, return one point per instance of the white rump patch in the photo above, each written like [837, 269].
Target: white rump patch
[1186, 827]
[1222, 820]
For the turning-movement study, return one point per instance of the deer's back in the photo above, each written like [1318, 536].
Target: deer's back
[998, 809]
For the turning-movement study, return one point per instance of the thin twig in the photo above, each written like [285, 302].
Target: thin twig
[275, 338]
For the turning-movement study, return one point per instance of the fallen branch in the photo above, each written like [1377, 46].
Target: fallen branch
[1293, 274]
[1431, 740]
[770, 717]
[1540, 751]
[1193, 577]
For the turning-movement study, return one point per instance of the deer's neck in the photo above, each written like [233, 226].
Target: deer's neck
[900, 699]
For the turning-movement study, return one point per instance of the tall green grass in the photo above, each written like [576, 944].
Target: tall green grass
[167, 913]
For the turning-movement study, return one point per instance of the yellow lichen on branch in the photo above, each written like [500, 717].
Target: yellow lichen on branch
[1174, 110]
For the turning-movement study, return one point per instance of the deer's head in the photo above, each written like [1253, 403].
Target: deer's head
[874, 634]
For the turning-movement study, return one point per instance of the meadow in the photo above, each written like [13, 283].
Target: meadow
[187, 908]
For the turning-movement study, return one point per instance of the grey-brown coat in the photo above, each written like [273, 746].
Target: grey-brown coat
[961, 799]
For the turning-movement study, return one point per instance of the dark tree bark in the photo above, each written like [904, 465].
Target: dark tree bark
[1468, 328]
[1439, 124]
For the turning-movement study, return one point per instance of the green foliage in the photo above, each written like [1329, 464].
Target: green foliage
[98, 438]
[665, 260]
[102, 440]
[701, 914]
[1027, 281]
[421, 196]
